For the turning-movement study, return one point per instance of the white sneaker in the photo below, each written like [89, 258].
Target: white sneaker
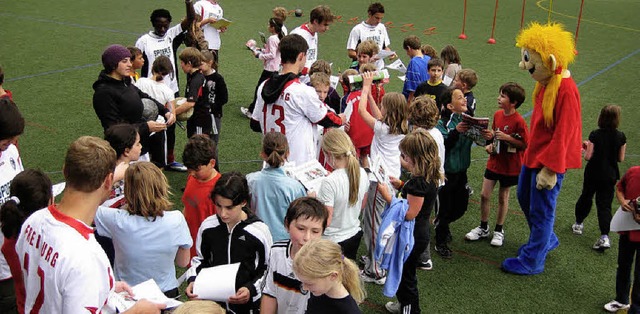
[577, 228]
[394, 307]
[245, 112]
[378, 281]
[614, 306]
[498, 238]
[603, 243]
[476, 233]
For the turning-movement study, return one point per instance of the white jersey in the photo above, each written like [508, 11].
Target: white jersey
[65, 269]
[281, 282]
[10, 166]
[312, 52]
[334, 192]
[157, 90]
[437, 136]
[153, 46]
[364, 31]
[206, 9]
[294, 114]
[386, 146]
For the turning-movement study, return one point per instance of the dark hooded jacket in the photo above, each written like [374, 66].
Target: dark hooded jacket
[119, 101]
[273, 88]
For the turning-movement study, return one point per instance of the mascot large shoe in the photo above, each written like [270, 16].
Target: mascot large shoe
[554, 139]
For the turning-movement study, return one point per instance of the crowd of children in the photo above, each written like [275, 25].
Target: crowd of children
[296, 249]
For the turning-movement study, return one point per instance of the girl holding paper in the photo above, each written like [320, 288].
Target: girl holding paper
[233, 235]
[139, 231]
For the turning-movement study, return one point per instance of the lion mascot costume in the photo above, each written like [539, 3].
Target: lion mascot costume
[554, 140]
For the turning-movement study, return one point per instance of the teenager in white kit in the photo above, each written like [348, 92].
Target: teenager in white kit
[65, 269]
[288, 106]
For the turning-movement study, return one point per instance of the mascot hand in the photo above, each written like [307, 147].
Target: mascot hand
[546, 179]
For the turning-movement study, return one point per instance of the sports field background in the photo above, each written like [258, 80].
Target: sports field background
[50, 52]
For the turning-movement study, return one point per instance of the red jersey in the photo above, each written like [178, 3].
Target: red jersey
[9, 251]
[360, 133]
[509, 161]
[629, 185]
[198, 205]
[556, 147]
[8, 94]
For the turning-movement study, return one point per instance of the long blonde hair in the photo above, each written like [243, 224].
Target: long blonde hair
[320, 258]
[146, 190]
[337, 144]
[396, 116]
[423, 150]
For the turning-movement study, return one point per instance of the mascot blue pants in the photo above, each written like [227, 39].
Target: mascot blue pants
[539, 207]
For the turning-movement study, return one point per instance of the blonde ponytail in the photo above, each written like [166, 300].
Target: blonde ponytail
[338, 145]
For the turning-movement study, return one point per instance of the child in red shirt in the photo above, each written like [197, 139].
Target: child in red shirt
[509, 134]
[628, 189]
[199, 158]
[360, 133]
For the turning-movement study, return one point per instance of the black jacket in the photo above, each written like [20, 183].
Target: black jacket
[118, 101]
[248, 243]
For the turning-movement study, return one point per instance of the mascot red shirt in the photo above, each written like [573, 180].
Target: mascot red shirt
[554, 139]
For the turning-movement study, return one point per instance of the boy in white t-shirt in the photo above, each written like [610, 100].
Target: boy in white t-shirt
[286, 105]
[11, 127]
[319, 20]
[65, 269]
[282, 293]
[210, 12]
[370, 29]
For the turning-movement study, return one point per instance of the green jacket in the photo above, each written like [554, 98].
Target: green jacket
[457, 146]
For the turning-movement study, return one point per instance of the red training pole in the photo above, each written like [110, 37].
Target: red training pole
[464, 20]
[524, 2]
[578, 27]
[493, 28]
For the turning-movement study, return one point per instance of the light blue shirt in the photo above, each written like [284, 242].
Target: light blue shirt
[144, 249]
[271, 193]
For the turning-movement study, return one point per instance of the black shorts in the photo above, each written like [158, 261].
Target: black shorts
[505, 181]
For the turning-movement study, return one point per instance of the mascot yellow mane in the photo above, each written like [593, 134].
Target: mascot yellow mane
[557, 50]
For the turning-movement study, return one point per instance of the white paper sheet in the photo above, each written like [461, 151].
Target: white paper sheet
[623, 221]
[398, 66]
[216, 283]
[383, 54]
[148, 290]
[447, 80]
[333, 81]
[57, 189]
[310, 174]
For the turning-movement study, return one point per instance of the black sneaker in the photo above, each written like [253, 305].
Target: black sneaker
[444, 251]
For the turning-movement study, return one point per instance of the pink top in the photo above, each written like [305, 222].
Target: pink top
[270, 54]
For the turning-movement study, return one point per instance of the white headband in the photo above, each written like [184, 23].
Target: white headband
[15, 199]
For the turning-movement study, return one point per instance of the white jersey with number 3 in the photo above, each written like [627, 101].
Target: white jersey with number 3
[65, 269]
[294, 114]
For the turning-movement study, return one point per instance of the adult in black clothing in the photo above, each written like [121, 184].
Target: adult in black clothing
[116, 100]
